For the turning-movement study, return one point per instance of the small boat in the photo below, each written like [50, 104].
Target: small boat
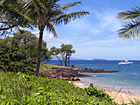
[125, 62]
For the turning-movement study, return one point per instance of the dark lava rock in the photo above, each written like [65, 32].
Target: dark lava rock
[97, 71]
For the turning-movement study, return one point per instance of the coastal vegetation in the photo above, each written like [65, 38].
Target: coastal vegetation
[19, 53]
[56, 52]
[42, 14]
[21, 89]
[65, 52]
[91, 90]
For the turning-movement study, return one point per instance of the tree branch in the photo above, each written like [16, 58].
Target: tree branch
[2, 29]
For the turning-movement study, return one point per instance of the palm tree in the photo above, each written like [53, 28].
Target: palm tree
[10, 18]
[131, 26]
[45, 14]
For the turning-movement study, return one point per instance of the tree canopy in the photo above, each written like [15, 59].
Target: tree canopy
[19, 53]
[56, 52]
[64, 52]
[11, 19]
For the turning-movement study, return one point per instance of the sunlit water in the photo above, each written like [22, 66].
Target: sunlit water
[128, 78]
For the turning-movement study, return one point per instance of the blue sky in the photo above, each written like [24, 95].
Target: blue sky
[95, 35]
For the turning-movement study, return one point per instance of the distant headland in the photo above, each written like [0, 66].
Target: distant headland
[99, 59]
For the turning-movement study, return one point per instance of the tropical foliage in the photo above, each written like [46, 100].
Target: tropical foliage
[91, 90]
[11, 19]
[42, 14]
[22, 89]
[19, 53]
[56, 52]
[131, 26]
[65, 52]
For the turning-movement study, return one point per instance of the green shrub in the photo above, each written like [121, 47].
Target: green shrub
[19, 52]
[91, 90]
[15, 59]
[73, 66]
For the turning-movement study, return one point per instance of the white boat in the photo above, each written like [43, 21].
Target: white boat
[125, 62]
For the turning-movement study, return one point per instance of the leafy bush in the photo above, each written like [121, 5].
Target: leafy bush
[19, 53]
[15, 59]
[22, 89]
[73, 66]
[91, 90]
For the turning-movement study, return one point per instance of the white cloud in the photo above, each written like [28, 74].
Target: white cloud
[58, 41]
[46, 34]
[96, 23]
[108, 19]
[105, 43]
[82, 36]
[51, 40]
[84, 25]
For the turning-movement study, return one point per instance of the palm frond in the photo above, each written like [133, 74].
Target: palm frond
[53, 3]
[41, 5]
[66, 18]
[51, 29]
[4, 2]
[134, 13]
[36, 7]
[12, 16]
[16, 8]
[24, 5]
[130, 29]
[72, 4]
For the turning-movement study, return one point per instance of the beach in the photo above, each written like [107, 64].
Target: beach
[118, 97]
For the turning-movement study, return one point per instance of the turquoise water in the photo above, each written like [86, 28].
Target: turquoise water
[128, 78]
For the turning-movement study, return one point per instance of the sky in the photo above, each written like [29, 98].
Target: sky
[95, 35]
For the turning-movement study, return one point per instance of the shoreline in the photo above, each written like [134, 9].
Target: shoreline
[70, 74]
[119, 97]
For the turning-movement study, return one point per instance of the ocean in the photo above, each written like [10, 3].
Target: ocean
[127, 80]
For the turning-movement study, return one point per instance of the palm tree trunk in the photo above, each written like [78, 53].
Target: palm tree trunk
[39, 50]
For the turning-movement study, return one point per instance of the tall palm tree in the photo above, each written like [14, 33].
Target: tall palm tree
[44, 14]
[131, 26]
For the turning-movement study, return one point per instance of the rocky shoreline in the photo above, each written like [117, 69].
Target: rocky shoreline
[72, 74]
[86, 70]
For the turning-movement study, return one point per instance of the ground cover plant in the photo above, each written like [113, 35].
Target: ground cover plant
[19, 89]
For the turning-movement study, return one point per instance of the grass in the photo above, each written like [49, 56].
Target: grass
[21, 89]
[44, 67]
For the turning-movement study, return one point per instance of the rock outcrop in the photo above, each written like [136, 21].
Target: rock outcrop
[86, 70]
[72, 74]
